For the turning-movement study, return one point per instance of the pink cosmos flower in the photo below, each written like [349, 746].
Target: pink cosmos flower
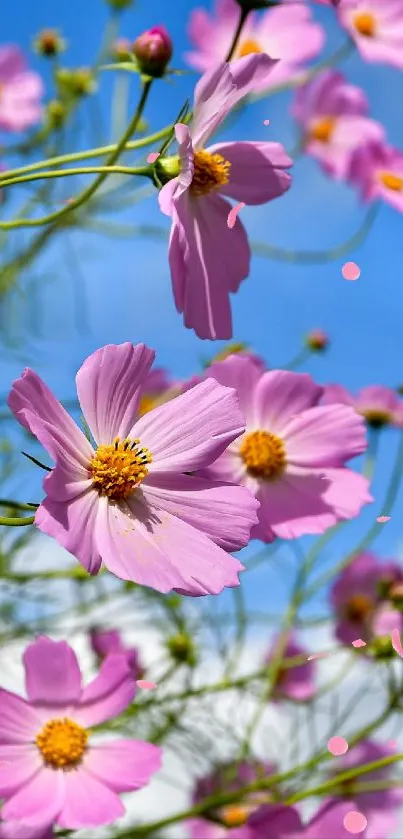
[279, 821]
[377, 171]
[158, 387]
[228, 778]
[297, 683]
[125, 500]
[293, 452]
[53, 772]
[376, 26]
[21, 830]
[107, 641]
[333, 117]
[208, 260]
[20, 92]
[288, 34]
[358, 592]
[379, 405]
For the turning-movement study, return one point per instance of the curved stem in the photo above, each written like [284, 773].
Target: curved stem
[16, 505]
[16, 522]
[299, 359]
[144, 171]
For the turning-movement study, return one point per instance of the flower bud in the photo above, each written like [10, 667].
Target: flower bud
[75, 83]
[168, 168]
[153, 51]
[317, 340]
[55, 113]
[49, 43]
[121, 49]
[119, 5]
[182, 649]
[381, 648]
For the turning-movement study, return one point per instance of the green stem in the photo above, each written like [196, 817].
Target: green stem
[16, 522]
[16, 505]
[86, 170]
[350, 774]
[299, 359]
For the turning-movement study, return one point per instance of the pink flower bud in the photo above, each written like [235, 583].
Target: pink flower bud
[153, 50]
[317, 340]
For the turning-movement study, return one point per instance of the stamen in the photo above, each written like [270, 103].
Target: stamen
[62, 743]
[264, 455]
[365, 24]
[119, 468]
[210, 172]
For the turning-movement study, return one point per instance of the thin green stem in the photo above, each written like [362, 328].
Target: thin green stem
[299, 359]
[144, 171]
[16, 505]
[16, 522]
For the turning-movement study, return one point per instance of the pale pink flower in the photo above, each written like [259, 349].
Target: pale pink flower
[107, 641]
[376, 26]
[333, 115]
[377, 171]
[124, 500]
[52, 770]
[288, 34]
[297, 682]
[21, 91]
[293, 452]
[379, 405]
[207, 259]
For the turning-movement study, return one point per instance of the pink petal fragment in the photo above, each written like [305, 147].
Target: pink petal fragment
[396, 642]
[337, 746]
[359, 643]
[153, 156]
[351, 271]
[232, 215]
[355, 822]
[266, 122]
[318, 655]
[142, 683]
[383, 519]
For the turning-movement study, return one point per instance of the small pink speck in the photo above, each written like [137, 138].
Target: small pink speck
[337, 746]
[266, 122]
[355, 822]
[350, 271]
[318, 655]
[392, 744]
[396, 642]
[383, 519]
[232, 215]
[359, 643]
[146, 685]
[153, 156]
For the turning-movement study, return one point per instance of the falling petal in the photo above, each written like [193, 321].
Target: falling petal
[359, 643]
[355, 822]
[266, 122]
[141, 683]
[153, 156]
[232, 215]
[382, 519]
[350, 271]
[337, 746]
[318, 655]
[396, 642]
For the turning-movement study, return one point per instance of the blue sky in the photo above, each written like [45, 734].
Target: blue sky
[126, 283]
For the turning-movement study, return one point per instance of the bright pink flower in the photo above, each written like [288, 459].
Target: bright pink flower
[45, 736]
[209, 260]
[293, 452]
[288, 34]
[20, 92]
[107, 641]
[125, 500]
[334, 121]
[358, 592]
[378, 404]
[376, 26]
[298, 682]
[377, 171]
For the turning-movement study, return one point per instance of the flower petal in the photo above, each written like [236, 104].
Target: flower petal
[329, 820]
[257, 171]
[88, 803]
[19, 723]
[52, 673]
[124, 765]
[326, 435]
[191, 430]
[153, 548]
[108, 387]
[224, 512]
[18, 763]
[73, 524]
[112, 690]
[38, 801]
[240, 372]
[282, 394]
[212, 101]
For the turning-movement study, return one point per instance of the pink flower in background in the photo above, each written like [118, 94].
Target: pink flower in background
[385, 620]
[288, 34]
[377, 171]
[376, 26]
[379, 405]
[297, 682]
[158, 387]
[358, 592]
[46, 735]
[228, 778]
[107, 641]
[293, 452]
[333, 118]
[125, 500]
[21, 830]
[279, 821]
[20, 92]
[207, 259]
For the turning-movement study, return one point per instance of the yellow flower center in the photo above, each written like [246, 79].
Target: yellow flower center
[365, 24]
[391, 181]
[118, 468]
[233, 815]
[263, 454]
[375, 418]
[359, 607]
[147, 402]
[62, 743]
[210, 172]
[248, 47]
[322, 130]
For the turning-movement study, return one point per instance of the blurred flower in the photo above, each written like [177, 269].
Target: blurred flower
[379, 405]
[287, 34]
[23, 830]
[46, 735]
[21, 91]
[251, 172]
[228, 778]
[121, 49]
[153, 51]
[75, 83]
[376, 26]
[357, 593]
[237, 349]
[157, 388]
[333, 117]
[279, 821]
[297, 682]
[317, 340]
[293, 452]
[182, 649]
[107, 641]
[377, 171]
[56, 113]
[125, 500]
[49, 43]
[119, 5]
